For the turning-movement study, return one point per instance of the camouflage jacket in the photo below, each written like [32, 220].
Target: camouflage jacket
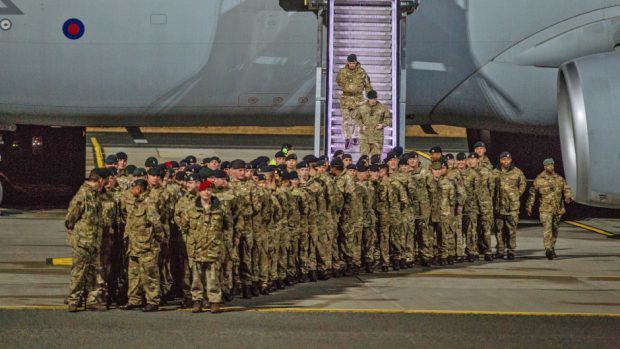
[144, 230]
[471, 183]
[461, 195]
[205, 227]
[245, 204]
[110, 209]
[370, 208]
[124, 181]
[382, 200]
[84, 219]
[181, 208]
[352, 206]
[485, 162]
[485, 191]
[353, 83]
[418, 192]
[371, 116]
[161, 198]
[226, 199]
[398, 199]
[510, 185]
[553, 190]
[442, 192]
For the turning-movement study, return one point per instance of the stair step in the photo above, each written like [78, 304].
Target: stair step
[361, 35]
[362, 19]
[362, 2]
[376, 27]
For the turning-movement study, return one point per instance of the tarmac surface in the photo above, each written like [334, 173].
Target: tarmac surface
[573, 301]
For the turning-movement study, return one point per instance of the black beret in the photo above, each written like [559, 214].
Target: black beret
[216, 159]
[224, 165]
[402, 161]
[264, 168]
[250, 166]
[206, 160]
[286, 146]
[291, 157]
[321, 162]
[130, 169]
[121, 155]
[479, 144]
[193, 177]
[293, 175]
[236, 164]
[174, 164]
[472, 155]
[280, 154]
[180, 176]
[412, 155]
[391, 156]
[435, 149]
[372, 94]
[140, 182]
[262, 160]
[150, 162]
[505, 154]
[374, 168]
[338, 153]
[111, 159]
[352, 58]
[219, 174]
[347, 156]
[337, 163]
[194, 168]
[302, 164]
[154, 171]
[449, 156]
[351, 167]
[191, 159]
[162, 170]
[102, 172]
[139, 172]
[323, 157]
[398, 150]
[205, 172]
[362, 168]
[112, 171]
[383, 166]
[461, 156]
[375, 159]
[310, 158]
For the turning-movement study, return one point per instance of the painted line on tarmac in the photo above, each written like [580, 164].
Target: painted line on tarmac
[61, 261]
[423, 154]
[357, 311]
[591, 228]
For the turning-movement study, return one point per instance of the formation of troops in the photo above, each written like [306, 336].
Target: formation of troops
[209, 232]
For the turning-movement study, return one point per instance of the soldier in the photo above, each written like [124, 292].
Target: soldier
[381, 184]
[554, 193]
[373, 117]
[354, 81]
[111, 161]
[469, 222]
[150, 162]
[122, 163]
[442, 192]
[291, 163]
[461, 196]
[125, 172]
[262, 222]
[84, 230]
[320, 188]
[408, 217]
[481, 150]
[485, 193]
[421, 209]
[205, 226]
[144, 233]
[349, 217]
[347, 159]
[398, 203]
[436, 155]
[298, 224]
[370, 219]
[110, 203]
[510, 185]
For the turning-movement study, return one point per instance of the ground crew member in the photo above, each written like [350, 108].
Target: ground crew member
[144, 233]
[554, 193]
[353, 81]
[373, 118]
[510, 186]
[84, 228]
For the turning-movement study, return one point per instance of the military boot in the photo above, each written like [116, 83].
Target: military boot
[488, 257]
[450, 260]
[443, 261]
[236, 290]
[150, 308]
[129, 306]
[499, 255]
[403, 264]
[549, 254]
[553, 252]
[510, 255]
[280, 284]
[245, 290]
[323, 275]
[197, 308]
[369, 267]
[72, 308]
[255, 289]
[228, 297]
[385, 268]
[313, 276]
[396, 265]
[303, 278]
[264, 290]
[97, 307]
[215, 308]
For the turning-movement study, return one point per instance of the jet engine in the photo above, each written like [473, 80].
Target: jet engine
[589, 121]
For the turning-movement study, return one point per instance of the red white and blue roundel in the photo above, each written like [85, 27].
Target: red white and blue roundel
[73, 28]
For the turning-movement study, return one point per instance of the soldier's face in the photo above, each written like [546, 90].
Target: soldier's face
[192, 186]
[372, 102]
[295, 182]
[220, 182]
[461, 164]
[549, 168]
[303, 172]
[393, 163]
[506, 162]
[436, 173]
[352, 173]
[362, 176]
[347, 162]
[352, 65]
[480, 151]
[322, 169]
[404, 168]
[122, 164]
[136, 190]
[375, 175]
[435, 157]
[111, 182]
[249, 173]
[472, 162]
[279, 161]
[291, 163]
[443, 170]
[213, 165]
[413, 162]
[383, 172]
[238, 173]
[206, 194]
[451, 163]
[153, 180]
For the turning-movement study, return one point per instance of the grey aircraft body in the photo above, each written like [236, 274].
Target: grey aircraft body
[499, 65]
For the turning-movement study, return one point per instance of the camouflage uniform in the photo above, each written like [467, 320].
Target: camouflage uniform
[180, 218]
[84, 224]
[298, 225]
[457, 225]
[282, 234]
[442, 192]
[485, 192]
[161, 198]
[407, 218]
[510, 186]
[144, 234]
[420, 202]
[398, 203]
[323, 240]
[205, 235]
[350, 219]
[369, 233]
[309, 235]
[336, 202]
[471, 184]
[353, 84]
[245, 197]
[369, 117]
[383, 221]
[553, 191]
[485, 162]
[109, 217]
[227, 201]
[124, 179]
[174, 192]
[260, 224]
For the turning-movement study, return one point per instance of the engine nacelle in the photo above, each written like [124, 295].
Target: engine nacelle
[589, 120]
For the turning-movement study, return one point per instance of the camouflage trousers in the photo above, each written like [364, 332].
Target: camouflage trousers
[186, 277]
[445, 237]
[350, 242]
[469, 229]
[105, 277]
[396, 241]
[246, 246]
[309, 246]
[424, 238]
[408, 237]
[383, 238]
[163, 263]
[350, 126]
[506, 232]
[369, 237]
[144, 280]
[459, 237]
[205, 281]
[337, 262]
[371, 146]
[84, 271]
[260, 257]
[484, 228]
[280, 257]
[551, 226]
[226, 268]
[324, 243]
[290, 247]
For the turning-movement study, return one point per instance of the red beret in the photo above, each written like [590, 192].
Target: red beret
[204, 185]
[168, 164]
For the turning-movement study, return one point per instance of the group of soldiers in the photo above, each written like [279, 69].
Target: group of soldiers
[209, 232]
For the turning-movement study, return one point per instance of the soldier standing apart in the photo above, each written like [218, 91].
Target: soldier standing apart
[144, 233]
[374, 117]
[353, 80]
[84, 228]
[205, 237]
[481, 150]
[510, 186]
[554, 192]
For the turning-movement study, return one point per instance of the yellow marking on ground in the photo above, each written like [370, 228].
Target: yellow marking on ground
[423, 154]
[355, 311]
[98, 151]
[590, 228]
[411, 130]
[63, 261]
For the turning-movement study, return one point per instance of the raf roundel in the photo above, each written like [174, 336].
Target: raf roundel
[73, 28]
